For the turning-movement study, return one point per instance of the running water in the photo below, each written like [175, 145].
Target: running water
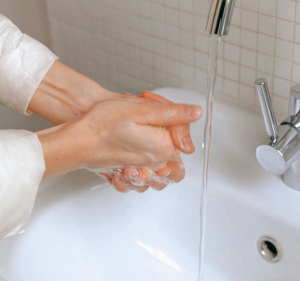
[211, 79]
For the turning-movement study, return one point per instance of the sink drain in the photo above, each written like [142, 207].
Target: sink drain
[269, 249]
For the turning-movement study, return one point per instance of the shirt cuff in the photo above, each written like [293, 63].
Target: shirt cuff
[22, 167]
[23, 64]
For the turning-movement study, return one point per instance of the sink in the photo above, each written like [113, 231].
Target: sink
[82, 229]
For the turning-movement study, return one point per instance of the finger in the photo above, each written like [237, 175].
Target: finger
[152, 96]
[119, 184]
[158, 187]
[180, 134]
[137, 177]
[181, 138]
[168, 114]
[141, 189]
[174, 171]
[144, 176]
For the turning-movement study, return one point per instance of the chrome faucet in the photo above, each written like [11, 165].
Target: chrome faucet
[280, 151]
[219, 17]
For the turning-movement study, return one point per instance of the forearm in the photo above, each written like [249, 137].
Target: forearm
[65, 94]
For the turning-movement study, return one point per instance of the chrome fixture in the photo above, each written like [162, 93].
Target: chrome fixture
[219, 17]
[269, 249]
[280, 151]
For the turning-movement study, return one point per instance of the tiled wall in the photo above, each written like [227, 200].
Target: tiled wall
[132, 45]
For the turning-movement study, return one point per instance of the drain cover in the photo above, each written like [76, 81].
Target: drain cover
[269, 249]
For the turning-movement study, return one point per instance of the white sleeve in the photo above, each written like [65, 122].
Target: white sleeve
[21, 170]
[23, 64]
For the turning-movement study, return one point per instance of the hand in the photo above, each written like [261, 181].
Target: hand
[116, 134]
[172, 172]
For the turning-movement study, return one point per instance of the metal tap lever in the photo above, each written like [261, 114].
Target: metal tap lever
[266, 107]
[282, 148]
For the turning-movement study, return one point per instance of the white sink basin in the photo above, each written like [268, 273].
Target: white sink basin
[82, 229]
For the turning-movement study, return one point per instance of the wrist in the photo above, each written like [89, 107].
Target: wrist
[63, 149]
[65, 94]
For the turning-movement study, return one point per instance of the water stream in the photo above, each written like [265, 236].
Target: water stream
[211, 79]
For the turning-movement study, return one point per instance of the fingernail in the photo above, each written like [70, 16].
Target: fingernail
[194, 112]
[187, 144]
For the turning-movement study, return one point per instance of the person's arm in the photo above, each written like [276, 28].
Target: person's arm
[65, 94]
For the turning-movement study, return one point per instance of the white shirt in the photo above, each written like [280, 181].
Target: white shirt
[23, 64]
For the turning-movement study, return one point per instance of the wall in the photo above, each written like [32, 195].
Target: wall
[30, 16]
[132, 45]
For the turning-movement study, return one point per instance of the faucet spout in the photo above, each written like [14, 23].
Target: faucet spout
[219, 17]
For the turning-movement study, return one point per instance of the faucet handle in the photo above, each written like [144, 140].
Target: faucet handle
[266, 107]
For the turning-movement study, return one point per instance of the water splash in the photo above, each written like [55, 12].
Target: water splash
[211, 79]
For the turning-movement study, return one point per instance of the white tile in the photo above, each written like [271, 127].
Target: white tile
[280, 107]
[186, 20]
[187, 56]
[248, 76]
[250, 5]
[285, 29]
[159, 29]
[202, 7]
[266, 44]
[282, 87]
[250, 20]
[234, 35]
[297, 53]
[201, 77]
[247, 94]
[248, 58]
[297, 33]
[200, 24]
[284, 49]
[249, 39]
[172, 51]
[267, 7]
[187, 38]
[172, 3]
[173, 33]
[286, 9]
[172, 16]
[267, 25]
[265, 63]
[232, 71]
[232, 53]
[296, 73]
[186, 5]
[283, 69]
[236, 17]
[298, 12]
[231, 88]
[187, 72]
[201, 59]
[158, 12]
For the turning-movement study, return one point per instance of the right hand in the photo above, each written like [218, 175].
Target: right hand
[174, 170]
[116, 134]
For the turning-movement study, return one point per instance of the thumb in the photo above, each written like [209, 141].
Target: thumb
[168, 114]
